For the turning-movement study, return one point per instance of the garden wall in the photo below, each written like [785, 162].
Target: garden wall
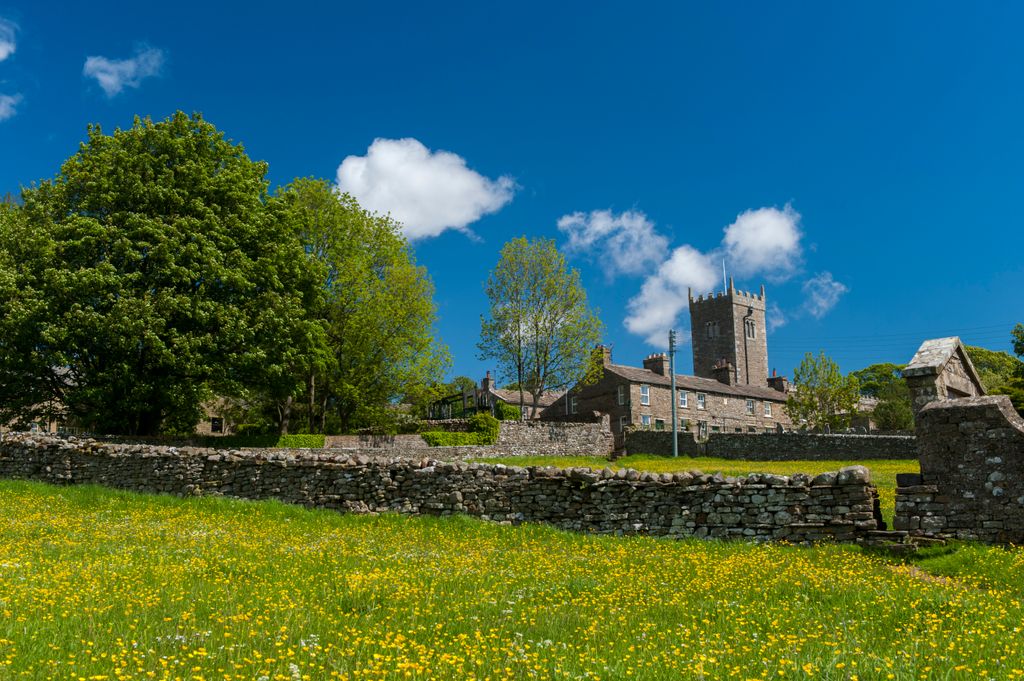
[776, 446]
[971, 484]
[838, 506]
[515, 438]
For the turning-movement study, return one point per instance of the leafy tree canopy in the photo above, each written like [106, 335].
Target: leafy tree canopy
[996, 369]
[823, 396]
[377, 311]
[142, 279]
[875, 378]
[540, 328]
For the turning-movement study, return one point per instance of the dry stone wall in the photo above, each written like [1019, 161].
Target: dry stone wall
[971, 484]
[776, 446]
[798, 508]
[515, 438]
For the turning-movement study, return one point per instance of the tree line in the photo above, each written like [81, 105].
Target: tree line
[824, 396]
[157, 272]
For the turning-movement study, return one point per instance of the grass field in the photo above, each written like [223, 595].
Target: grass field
[96, 584]
[883, 471]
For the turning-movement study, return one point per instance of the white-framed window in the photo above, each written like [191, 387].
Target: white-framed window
[702, 401]
[645, 420]
[622, 394]
[645, 395]
[684, 399]
[767, 408]
[750, 407]
[573, 405]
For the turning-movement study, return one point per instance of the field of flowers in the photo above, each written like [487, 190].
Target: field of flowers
[883, 471]
[97, 584]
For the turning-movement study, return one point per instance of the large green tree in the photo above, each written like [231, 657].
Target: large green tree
[145, 277]
[823, 396]
[377, 310]
[540, 329]
[885, 382]
[995, 368]
[876, 378]
[1018, 340]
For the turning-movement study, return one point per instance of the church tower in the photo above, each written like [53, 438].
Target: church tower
[730, 342]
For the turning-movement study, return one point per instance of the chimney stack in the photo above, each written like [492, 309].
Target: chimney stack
[658, 363]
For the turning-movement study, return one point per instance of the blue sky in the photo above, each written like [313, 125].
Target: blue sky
[864, 161]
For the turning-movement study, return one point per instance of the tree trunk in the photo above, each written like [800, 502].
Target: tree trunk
[284, 412]
[311, 401]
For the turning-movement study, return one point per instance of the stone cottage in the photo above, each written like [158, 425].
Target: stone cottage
[731, 390]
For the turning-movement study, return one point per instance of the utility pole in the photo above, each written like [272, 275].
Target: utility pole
[675, 398]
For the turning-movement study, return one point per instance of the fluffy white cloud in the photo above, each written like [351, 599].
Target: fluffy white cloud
[776, 318]
[8, 44]
[764, 241]
[821, 293]
[623, 244]
[663, 296]
[8, 105]
[427, 191]
[114, 75]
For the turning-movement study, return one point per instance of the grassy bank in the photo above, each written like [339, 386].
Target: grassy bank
[97, 584]
[883, 471]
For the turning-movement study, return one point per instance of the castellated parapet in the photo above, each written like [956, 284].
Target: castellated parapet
[729, 327]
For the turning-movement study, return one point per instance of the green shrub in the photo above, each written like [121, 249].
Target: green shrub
[306, 441]
[486, 426]
[301, 441]
[506, 412]
[441, 438]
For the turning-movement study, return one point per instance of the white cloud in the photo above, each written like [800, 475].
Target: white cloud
[8, 104]
[623, 244]
[764, 241]
[114, 75]
[427, 191]
[776, 318]
[8, 44]
[822, 292]
[663, 296]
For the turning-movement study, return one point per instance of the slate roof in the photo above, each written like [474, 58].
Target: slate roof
[512, 397]
[697, 384]
[932, 356]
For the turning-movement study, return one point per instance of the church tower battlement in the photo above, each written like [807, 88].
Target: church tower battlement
[729, 328]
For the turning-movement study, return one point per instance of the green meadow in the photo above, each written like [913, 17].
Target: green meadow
[100, 584]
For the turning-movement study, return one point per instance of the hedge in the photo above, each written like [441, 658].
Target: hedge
[302, 441]
[442, 438]
[483, 431]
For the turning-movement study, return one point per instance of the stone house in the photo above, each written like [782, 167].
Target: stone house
[731, 390]
[640, 397]
[486, 398]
